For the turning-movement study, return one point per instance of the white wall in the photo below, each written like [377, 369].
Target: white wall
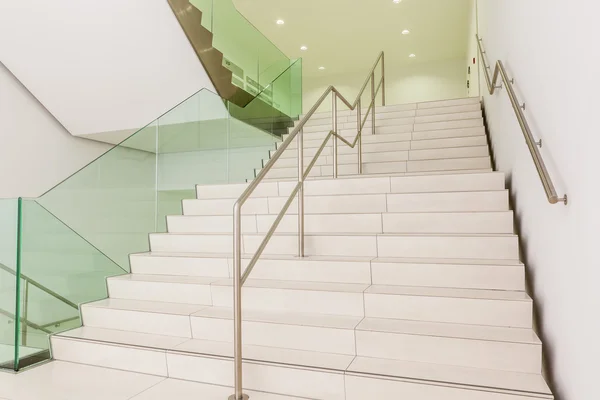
[36, 152]
[405, 84]
[473, 53]
[100, 66]
[550, 49]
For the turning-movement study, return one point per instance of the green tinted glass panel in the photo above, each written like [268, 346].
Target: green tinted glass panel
[59, 271]
[112, 201]
[8, 287]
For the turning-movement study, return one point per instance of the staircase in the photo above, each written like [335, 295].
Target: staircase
[412, 286]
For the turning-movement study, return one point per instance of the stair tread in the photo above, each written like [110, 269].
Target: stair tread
[457, 159]
[496, 379]
[488, 378]
[146, 306]
[298, 285]
[188, 280]
[449, 292]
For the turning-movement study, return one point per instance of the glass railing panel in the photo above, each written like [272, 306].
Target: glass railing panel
[112, 201]
[8, 281]
[59, 271]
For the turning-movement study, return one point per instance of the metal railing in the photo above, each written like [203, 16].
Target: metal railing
[518, 107]
[238, 278]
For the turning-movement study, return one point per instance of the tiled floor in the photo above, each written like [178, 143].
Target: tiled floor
[67, 381]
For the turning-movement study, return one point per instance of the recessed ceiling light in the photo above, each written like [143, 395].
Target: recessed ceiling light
[412, 56]
[321, 68]
[303, 48]
[396, 1]
[405, 32]
[280, 22]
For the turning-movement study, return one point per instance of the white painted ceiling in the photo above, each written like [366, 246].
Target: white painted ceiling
[346, 35]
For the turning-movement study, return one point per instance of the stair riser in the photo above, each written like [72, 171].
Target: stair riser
[182, 266]
[360, 388]
[273, 378]
[297, 337]
[517, 357]
[160, 291]
[388, 156]
[475, 247]
[495, 277]
[358, 203]
[301, 301]
[423, 123]
[326, 171]
[450, 310]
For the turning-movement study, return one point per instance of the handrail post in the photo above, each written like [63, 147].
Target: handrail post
[237, 303]
[359, 133]
[383, 79]
[373, 101]
[334, 129]
[301, 193]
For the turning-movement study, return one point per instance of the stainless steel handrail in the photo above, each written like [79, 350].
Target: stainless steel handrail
[518, 107]
[238, 278]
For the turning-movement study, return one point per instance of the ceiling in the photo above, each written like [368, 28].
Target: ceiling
[346, 35]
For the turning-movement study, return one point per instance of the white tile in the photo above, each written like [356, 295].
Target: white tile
[313, 269]
[448, 110]
[454, 274]
[282, 335]
[301, 301]
[191, 243]
[452, 374]
[497, 247]
[132, 359]
[461, 310]
[371, 185]
[66, 381]
[385, 167]
[208, 223]
[476, 222]
[435, 133]
[448, 201]
[137, 321]
[465, 123]
[315, 245]
[178, 264]
[234, 190]
[185, 390]
[121, 337]
[338, 204]
[480, 140]
[451, 182]
[448, 103]
[223, 206]
[457, 152]
[263, 377]
[365, 387]
[448, 117]
[449, 164]
[324, 223]
[467, 352]
[185, 290]
[372, 157]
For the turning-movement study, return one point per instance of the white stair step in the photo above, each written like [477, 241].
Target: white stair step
[496, 247]
[449, 305]
[456, 273]
[456, 152]
[393, 167]
[448, 143]
[266, 369]
[448, 110]
[448, 103]
[235, 190]
[496, 200]
[422, 119]
[368, 378]
[459, 132]
[159, 318]
[169, 289]
[283, 329]
[509, 349]
[305, 373]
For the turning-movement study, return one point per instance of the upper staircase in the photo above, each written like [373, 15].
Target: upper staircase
[412, 286]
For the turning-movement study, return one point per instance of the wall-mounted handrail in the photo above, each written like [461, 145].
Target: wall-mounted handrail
[298, 131]
[500, 71]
